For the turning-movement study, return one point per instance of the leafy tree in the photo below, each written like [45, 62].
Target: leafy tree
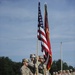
[8, 67]
[71, 67]
[56, 66]
[53, 67]
[65, 66]
[58, 63]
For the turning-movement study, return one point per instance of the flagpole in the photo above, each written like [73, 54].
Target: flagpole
[37, 58]
[61, 55]
[37, 51]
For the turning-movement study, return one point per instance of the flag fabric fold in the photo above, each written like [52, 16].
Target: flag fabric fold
[43, 36]
[40, 23]
[49, 53]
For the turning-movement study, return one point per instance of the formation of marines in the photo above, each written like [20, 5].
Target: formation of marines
[30, 67]
[65, 72]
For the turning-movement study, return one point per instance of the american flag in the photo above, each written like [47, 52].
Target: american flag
[43, 37]
[40, 23]
[41, 31]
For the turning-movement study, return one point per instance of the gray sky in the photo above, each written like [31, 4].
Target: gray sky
[18, 28]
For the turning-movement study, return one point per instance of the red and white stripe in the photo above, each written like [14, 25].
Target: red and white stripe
[42, 36]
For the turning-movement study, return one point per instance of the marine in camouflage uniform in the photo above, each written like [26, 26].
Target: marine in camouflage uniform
[24, 69]
[32, 63]
[41, 66]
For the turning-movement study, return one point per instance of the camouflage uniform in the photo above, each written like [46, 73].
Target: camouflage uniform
[53, 73]
[41, 66]
[73, 73]
[32, 64]
[24, 69]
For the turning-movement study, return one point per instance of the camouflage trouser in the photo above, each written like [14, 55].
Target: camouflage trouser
[40, 74]
[47, 73]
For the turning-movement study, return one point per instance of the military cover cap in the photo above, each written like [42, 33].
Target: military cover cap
[32, 56]
[71, 70]
[24, 60]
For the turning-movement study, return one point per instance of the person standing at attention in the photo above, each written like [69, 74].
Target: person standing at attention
[24, 69]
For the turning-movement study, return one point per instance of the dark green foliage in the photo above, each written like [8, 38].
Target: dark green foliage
[8, 67]
[65, 66]
[56, 66]
[70, 67]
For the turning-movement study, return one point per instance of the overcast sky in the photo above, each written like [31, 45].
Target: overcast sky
[18, 28]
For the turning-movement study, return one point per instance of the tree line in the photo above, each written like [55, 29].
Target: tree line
[9, 67]
[56, 66]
